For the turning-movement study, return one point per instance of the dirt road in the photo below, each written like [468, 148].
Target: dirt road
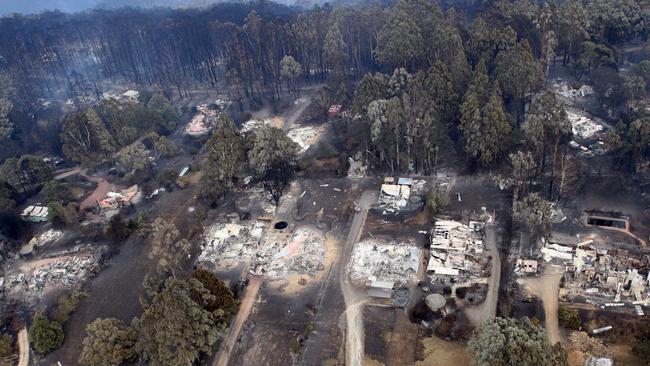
[77, 170]
[23, 347]
[546, 287]
[354, 298]
[250, 294]
[488, 308]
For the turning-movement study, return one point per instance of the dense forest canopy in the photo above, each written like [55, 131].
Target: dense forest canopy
[246, 42]
[432, 75]
[37, 6]
[262, 100]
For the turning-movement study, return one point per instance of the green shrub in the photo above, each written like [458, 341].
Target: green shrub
[166, 178]
[436, 201]
[45, 335]
[641, 348]
[56, 214]
[6, 345]
[569, 318]
[294, 345]
[66, 305]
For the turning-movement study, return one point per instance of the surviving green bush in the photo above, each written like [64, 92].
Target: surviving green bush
[45, 335]
[569, 318]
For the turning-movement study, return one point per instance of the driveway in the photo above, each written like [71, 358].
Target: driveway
[547, 287]
[354, 298]
[488, 308]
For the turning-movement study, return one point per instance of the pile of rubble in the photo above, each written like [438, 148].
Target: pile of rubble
[197, 126]
[525, 267]
[302, 252]
[204, 120]
[223, 104]
[254, 124]
[400, 194]
[610, 278]
[48, 237]
[600, 276]
[582, 125]
[564, 89]
[457, 251]
[66, 272]
[306, 136]
[356, 169]
[273, 252]
[111, 204]
[129, 96]
[207, 110]
[229, 243]
[312, 252]
[372, 261]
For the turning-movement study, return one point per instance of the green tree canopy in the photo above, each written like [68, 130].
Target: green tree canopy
[372, 87]
[176, 327]
[25, 173]
[400, 42]
[517, 71]
[45, 335]
[225, 162]
[507, 341]
[335, 50]
[168, 247]
[273, 158]
[6, 125]
[84, 138]
[108, 342]
[135, 157]
[534, 211]
[55, 191]
[486, 128]
[224, 300]
[270, 145]
[291, 70]
[163, 107]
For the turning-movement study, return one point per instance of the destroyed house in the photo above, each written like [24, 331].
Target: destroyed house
[35, 214]
[452, 235]
[609, 278]
[372, 261]
[395, 192]
[456, 248]
[116, 200]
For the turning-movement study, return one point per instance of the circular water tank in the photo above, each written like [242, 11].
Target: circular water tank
[280, 225]
[402, 292]
[401, 302]
[435, 302]
[26, 251]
